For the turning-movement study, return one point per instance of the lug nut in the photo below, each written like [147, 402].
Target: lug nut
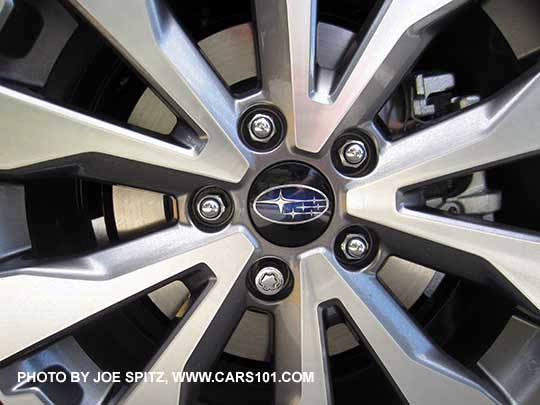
[262, 128]
[269, 281]
[355, 247]
[353, 153]
[211, 207]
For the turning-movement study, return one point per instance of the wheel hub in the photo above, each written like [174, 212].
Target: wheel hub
[237, 68]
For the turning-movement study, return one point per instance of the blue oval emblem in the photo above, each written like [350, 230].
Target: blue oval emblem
[291, 204]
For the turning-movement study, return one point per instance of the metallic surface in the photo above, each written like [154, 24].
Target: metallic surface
[289, 53]
[261, 128]
[427, 86]
[269, 281]
[163, 54]
[353, 154]
[252, 338]
[518, 24]
[6, 7]
[211, 207]
[35, 66]
[478, 199]
[136, 211]
[171, 299]
[232, 53]
[406, 280]
[66, 355]
[178, 350]
[105, 271]
[14, 237]
[166, 57]
[421, 371]
[512, 361]
[354, 246]
[151, 113]
[71, 133]
[466, 101]
[481, 136]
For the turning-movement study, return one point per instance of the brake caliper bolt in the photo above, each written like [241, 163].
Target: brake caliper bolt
[269, 281]
[262, 127]
[211, 207]
[353, 153]
[355, 247]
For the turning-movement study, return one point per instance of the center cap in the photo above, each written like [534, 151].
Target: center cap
[291, 204]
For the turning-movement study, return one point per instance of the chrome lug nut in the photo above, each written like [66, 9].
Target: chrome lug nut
[269, 281]
[355, 247]
[353, 153]
[211, 208]
[261, 128]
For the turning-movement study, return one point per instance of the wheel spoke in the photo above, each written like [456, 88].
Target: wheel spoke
[512, 256]
[393, 42]
[36, 132]
[32, 295]
[164, 54]
[300, 345]
[498, 130]
[198, 342]
[286, 35]
[397, 35]
[421, 371]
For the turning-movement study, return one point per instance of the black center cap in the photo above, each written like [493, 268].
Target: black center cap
[291, 204]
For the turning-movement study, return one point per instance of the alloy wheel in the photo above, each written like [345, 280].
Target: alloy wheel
[309, 136]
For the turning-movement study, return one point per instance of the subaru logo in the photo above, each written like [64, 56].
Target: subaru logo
[291, 204]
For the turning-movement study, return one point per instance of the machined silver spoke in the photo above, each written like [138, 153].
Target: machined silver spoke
[35, 131]
[286, 35]
[164, 54]
[86, 286]
[498, 130]
[197, 342]
[394, 40]
[422, 372]
[300, 345]
[514, 255]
